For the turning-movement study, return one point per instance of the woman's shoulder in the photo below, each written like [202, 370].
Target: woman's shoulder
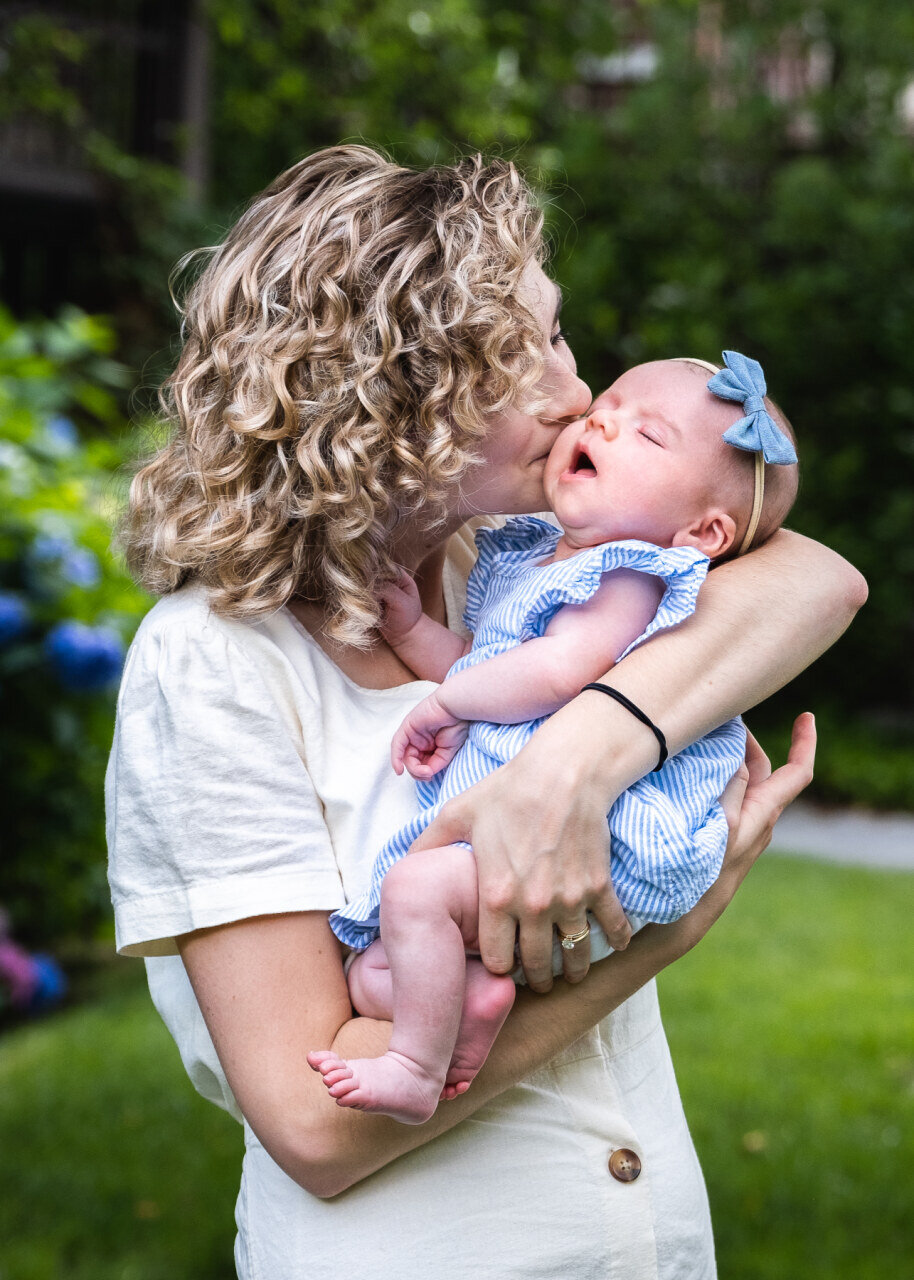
[185, 622]
[189, 611]
[184, 651]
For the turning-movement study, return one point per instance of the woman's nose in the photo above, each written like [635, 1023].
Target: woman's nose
[569, 402]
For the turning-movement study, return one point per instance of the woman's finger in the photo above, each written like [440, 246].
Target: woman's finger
[576, 957]
[733, 795]
[757, 761]
[535, 943]
[608, 910]
[753, 805]
[497, 939]
[786, 783]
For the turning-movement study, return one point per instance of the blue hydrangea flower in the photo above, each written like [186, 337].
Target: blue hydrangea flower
[84, 658]
[63, 432]
[80, 567]
[14, 617]
[49, 548]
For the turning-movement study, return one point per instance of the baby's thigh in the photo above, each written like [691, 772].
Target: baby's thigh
[368, 976]
[433, 885]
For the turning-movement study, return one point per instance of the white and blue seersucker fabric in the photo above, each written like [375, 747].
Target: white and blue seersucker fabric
[668, 830]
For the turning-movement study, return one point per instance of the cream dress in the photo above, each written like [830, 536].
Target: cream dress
[249, 776]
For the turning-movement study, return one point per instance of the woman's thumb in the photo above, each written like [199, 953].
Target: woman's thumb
[447, 828]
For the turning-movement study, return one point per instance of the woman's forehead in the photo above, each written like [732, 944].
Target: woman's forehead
[542, 294]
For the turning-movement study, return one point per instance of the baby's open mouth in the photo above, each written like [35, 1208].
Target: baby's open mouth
[581, 463]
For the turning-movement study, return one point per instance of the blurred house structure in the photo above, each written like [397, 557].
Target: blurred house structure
[800, 64]
[139, 82]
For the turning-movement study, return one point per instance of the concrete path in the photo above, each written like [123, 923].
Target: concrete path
[853, 836]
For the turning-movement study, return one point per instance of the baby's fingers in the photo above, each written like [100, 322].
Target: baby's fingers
[398, 749]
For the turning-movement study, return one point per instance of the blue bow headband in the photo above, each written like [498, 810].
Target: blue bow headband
[743, 380]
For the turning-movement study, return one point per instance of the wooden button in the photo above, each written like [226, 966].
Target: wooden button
[624, 1165]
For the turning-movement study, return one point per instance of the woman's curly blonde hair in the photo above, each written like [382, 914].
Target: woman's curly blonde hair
[343, 349]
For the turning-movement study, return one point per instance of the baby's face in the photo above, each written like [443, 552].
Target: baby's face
[645, 462]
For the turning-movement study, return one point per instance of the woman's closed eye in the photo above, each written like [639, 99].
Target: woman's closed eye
[560, 335]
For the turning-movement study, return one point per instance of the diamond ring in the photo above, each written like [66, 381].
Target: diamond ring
[570, 940]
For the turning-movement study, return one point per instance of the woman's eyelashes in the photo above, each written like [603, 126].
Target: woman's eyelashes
[560, 335]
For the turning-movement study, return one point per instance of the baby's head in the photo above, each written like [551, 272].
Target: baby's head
[649, 461]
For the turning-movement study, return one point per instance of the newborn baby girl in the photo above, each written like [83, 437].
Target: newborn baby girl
[659, 481]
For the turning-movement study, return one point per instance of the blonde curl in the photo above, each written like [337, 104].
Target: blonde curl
[343, 350]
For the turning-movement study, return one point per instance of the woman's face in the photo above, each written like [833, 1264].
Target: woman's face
[510, 479]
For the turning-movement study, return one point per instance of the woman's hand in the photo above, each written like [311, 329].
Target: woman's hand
[541, 843]
[754, 800]
[542, 851]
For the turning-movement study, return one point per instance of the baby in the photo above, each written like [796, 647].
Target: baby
[648, 491]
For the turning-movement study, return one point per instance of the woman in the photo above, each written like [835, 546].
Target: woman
[371, 358]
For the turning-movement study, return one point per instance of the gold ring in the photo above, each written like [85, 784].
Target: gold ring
[570, 940]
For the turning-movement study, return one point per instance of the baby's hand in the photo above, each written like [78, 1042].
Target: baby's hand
[402, 607]
[427, 740]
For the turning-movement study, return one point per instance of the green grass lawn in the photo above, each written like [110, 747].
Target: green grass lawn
[792, 1027]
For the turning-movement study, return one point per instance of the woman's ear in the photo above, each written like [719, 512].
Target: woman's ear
[712, 533]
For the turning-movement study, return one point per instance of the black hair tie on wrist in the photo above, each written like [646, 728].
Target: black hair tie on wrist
[638, 714]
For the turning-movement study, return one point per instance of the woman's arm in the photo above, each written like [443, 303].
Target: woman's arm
[541, 849]
[272, 988]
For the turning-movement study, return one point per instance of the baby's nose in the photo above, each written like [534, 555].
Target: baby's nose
[603, 420]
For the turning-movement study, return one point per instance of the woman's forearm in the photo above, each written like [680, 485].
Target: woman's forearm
[537, 1029]
[271, 989]
[759, 622]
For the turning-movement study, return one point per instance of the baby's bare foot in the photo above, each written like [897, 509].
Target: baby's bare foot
[488, 1001]
[391, 1085]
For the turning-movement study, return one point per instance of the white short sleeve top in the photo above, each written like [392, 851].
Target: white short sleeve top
[249, 775]
[247, 772]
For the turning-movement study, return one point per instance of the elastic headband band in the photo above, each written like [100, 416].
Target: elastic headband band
[758, 496]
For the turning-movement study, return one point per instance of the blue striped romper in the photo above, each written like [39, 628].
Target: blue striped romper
[668, 830]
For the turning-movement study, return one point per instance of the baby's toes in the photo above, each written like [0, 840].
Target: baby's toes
[330, 1066]
[342, 1089]
[319, 1058]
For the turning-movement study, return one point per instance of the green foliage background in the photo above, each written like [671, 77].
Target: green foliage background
[54, 738]
[708, 205]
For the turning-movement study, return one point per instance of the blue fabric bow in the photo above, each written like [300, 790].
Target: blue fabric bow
[744, 381]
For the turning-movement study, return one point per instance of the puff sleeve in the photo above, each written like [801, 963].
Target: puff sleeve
[211, 813]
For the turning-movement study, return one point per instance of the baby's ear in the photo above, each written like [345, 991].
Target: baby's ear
[712, 533]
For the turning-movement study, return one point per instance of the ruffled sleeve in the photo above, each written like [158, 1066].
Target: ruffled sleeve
[211, 814]
[572, 581]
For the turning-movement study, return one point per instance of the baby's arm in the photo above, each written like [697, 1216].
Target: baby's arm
[427, 647]
[535, 678]
[580, 643]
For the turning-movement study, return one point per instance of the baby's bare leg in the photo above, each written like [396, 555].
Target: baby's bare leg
[428, 918]
[370, 987]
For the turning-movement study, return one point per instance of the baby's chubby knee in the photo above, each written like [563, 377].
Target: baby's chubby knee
[430, 882]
